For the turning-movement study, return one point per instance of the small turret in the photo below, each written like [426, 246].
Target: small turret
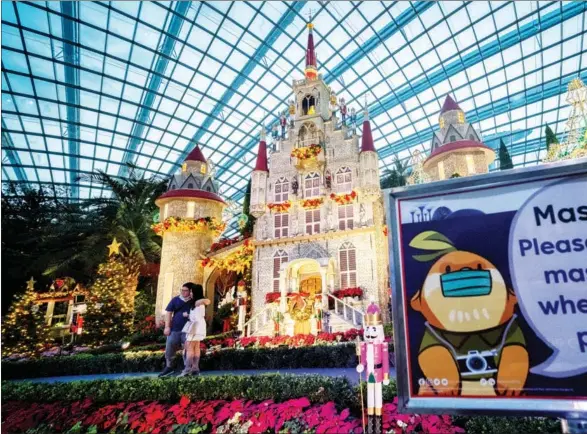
[259, 179]
[369, 160]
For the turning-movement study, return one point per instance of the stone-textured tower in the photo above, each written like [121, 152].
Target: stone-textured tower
[259, 179]
[190, 212]
[456, 148]
[369, 161]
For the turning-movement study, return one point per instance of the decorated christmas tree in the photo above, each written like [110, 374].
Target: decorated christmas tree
[23, 329]
[550, 137]
[110, 312]
[505, 161]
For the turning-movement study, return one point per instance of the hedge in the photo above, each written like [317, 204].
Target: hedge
[319, 356]
[279, 388]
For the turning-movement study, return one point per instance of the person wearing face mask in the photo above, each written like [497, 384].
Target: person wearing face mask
[174, 324]
[195, 331]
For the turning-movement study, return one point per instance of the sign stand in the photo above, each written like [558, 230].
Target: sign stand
[487, 269]
[574, 426]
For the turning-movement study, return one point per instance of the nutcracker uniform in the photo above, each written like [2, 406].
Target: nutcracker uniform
[241, 302]
[374, 360]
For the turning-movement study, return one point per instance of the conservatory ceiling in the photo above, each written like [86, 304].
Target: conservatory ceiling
[92, 85]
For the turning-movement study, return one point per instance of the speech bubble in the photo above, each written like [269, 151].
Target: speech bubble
[548, 279]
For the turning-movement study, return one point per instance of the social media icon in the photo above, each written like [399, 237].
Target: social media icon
[444, 382]
[483, 382]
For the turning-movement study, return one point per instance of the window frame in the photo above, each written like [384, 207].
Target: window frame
[346, 222]
[347, 254]
[281, 230]
[314, 189]
[282, 257]
[283, 185]
[312, 227]
[348, 185]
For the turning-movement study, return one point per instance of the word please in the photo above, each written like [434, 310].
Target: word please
[535, 247]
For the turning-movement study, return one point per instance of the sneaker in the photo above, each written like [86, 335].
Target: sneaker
[195, 373]
[184, 374]
[166, 372]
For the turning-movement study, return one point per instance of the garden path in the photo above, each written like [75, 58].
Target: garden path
[350, 373]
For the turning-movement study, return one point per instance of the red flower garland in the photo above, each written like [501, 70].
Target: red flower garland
[345, 198]
[312, 203]
[279, 207]
[272, 297]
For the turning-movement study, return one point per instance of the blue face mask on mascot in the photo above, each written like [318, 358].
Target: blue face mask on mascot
[466, 283]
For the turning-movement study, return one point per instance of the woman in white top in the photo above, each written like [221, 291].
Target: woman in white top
[195, 331]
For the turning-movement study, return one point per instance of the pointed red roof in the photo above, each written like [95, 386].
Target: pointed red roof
[196, 155]
[367, 139]
[449, 104]
[311, 64]
[262, 156]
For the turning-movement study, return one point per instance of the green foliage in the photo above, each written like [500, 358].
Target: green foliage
[396, 177]
[279, 388]
[505, 161]
[190, 428]
[247, 231]
[550, 137]
[508, 425]
[319, 356]
[144, 305]
[388, 330]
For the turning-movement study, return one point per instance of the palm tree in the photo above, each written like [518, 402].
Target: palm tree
[396, 177]
[81, 237]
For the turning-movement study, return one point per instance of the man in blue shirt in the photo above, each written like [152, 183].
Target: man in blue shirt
[174, 323]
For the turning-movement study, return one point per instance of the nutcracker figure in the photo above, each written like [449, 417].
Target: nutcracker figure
[292, 107]
[318, 313]
[374, 359]
[342, 106]
[241, 302]
[283, 123]
[333, 103]
[353, 120]
[275, 132]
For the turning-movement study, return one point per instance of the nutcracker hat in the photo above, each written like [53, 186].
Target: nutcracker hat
[373, 316]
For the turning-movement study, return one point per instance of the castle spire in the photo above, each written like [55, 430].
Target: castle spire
[449, 104]
[196, 155]
[367, 139]
[311, 70]
[262, 153]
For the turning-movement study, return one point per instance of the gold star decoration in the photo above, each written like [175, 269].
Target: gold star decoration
[30, 285]
[114, 248]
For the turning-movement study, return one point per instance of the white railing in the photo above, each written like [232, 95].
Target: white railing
[347, 312]
[259, 321]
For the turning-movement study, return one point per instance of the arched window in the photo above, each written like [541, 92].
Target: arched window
[344, 180]
[281, 190]
[472, 137]
[190, 185]
[307, 102]
[348, 266]
[280, 257]
[311, 185]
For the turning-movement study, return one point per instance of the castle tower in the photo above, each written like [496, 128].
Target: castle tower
[369, 161]
[259, 179]
[456, 148]
[190, 213]
[319, 229]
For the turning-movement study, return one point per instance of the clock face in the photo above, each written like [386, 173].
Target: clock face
[242, 221]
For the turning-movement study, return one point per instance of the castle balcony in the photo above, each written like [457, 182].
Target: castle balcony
[308, 157]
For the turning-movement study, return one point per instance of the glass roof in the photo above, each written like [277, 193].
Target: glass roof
[93, 85]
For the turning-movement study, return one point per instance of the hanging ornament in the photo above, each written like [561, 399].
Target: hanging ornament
[242, 221]
[30, 285]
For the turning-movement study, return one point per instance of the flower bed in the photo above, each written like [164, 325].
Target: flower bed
[218, 416]
[176, 224]
[344, 199]
[306, 152]
[348, 292]
[318, 356]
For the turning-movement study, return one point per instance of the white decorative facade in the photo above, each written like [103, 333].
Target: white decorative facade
[318, 245]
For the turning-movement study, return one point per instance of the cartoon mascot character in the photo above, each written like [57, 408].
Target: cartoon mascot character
[472, 343]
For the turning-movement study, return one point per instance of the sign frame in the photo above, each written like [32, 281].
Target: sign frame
[567, 408]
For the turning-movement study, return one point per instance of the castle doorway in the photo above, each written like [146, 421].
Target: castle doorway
[306, 279]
